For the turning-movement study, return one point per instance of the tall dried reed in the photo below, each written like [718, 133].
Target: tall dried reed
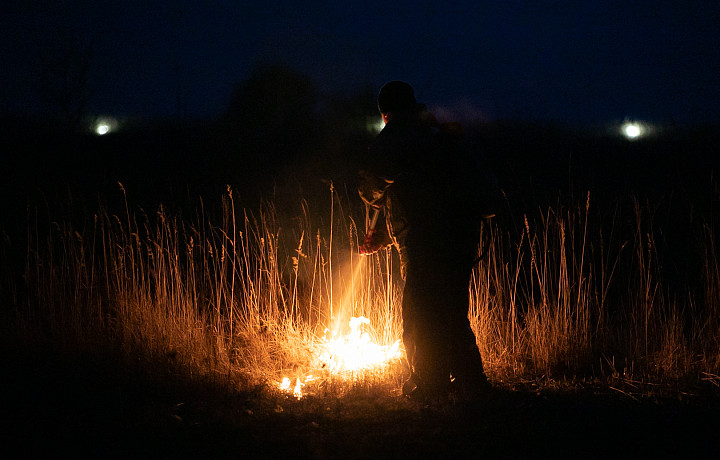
[253, 294]
[562, 300]
[245, 296]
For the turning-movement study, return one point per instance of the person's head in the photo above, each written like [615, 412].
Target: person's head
[396, 98]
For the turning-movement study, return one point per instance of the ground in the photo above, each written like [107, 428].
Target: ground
[85, 407]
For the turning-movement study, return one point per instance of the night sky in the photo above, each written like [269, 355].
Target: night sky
[563, 61]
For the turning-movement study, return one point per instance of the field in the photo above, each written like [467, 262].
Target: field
[148, 305]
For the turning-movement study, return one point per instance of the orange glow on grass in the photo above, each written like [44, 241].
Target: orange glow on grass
[347, 355]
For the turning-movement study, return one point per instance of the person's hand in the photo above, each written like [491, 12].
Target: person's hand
[371, 244]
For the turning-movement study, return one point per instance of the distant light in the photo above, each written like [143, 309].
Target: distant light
[104, 125]
[379, 125]
[633, 130]
[374, 124]
[102, 128]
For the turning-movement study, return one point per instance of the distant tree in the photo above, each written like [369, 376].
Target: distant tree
[277, 122]
[349, 122]
[272, 115]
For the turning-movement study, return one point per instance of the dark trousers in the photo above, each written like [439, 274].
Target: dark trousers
[436, 330]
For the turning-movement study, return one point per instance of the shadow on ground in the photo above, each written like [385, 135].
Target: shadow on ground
[86, 407]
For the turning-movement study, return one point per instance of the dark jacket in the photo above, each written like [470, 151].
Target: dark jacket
[429, 185]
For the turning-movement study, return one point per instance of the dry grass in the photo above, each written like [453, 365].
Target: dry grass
[252, 296]
[227, 299]
[542, 305]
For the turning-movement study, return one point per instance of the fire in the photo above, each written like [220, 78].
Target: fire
[356, 351]
[296, 390]
[347, 356]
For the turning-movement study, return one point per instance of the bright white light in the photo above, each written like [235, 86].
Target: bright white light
[104, 125]
[632, 130]
[374, 124]
[379, 125]
[102, 128]
[347, 356]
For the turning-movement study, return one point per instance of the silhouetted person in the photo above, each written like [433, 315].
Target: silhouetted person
[433, 196]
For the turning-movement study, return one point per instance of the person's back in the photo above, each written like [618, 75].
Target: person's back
[438, 189]
[400, 156]
[427, 186]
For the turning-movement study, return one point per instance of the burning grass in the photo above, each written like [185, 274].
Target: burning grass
[228, 299]
[285, 302]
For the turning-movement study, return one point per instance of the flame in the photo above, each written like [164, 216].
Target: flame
[356, 351]
[297, 391]
[348, 355]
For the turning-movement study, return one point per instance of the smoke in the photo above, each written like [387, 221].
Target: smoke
[462, 110]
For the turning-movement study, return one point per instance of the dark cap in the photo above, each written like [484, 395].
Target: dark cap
[396, 96]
